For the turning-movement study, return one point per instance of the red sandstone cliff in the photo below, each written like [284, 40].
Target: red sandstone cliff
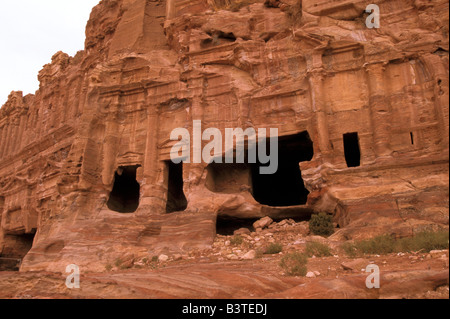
[314, 71]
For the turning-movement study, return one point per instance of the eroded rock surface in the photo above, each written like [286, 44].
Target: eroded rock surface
[85, 172]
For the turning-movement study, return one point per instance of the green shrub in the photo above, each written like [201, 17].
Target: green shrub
[321, 224]
[385, 244]
[259, 253]
[236, 240]
[349, 249]
[294, 264]
[381, 245]
[317, 249]
[274, 248]
[425, 241]
[118, 262]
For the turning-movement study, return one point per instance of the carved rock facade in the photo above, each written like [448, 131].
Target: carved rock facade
[362, 114]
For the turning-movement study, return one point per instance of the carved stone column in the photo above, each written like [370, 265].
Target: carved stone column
[379, 109]
[2, 137]
[22, 126]
[6, 140]
[319, 108]
[151, 197]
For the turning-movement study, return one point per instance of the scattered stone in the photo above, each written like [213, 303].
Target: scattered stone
[282, 223]
[355, 264]
[250, 255]
[163, 258]
[317, 273]
[232, 257]
[127, 262]
[438, 253]
[177, 257]
[263, 223]
[310, 275]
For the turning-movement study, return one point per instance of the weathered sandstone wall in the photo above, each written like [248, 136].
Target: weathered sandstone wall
[74, 155]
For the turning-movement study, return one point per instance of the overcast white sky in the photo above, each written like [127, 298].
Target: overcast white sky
[31, 31]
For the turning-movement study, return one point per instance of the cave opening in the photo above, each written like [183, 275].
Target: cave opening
[16, 247]
[352, 150]
[286, 187]
[124, 197]
[176, 199]
[226, 226]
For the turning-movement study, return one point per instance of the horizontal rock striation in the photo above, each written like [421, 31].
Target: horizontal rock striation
[362, 115]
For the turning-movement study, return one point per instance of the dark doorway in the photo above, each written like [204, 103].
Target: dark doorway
[16, 247]
[352, 150]
[176, 200]
[226, 226]
[124, 197]
[286, 187]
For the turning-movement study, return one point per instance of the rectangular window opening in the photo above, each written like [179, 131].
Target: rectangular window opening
[352, 150]
[176, 199]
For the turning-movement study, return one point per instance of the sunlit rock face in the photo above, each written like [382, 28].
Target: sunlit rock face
[362, 115]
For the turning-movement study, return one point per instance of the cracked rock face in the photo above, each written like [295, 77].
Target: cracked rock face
[362, 116]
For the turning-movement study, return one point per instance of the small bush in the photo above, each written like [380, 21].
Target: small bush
[236, 240]
[317, 249]
[118, 262]
[350, 249]
[321, 224]
[294, 264]
[274, 248]
[425, 241]
[385, 244]
[259, 253]
[155, 259]
[108, 267]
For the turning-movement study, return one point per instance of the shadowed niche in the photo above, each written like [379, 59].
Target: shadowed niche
[124, 197]
[352, 150]
[286, 187]
[176, 200]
